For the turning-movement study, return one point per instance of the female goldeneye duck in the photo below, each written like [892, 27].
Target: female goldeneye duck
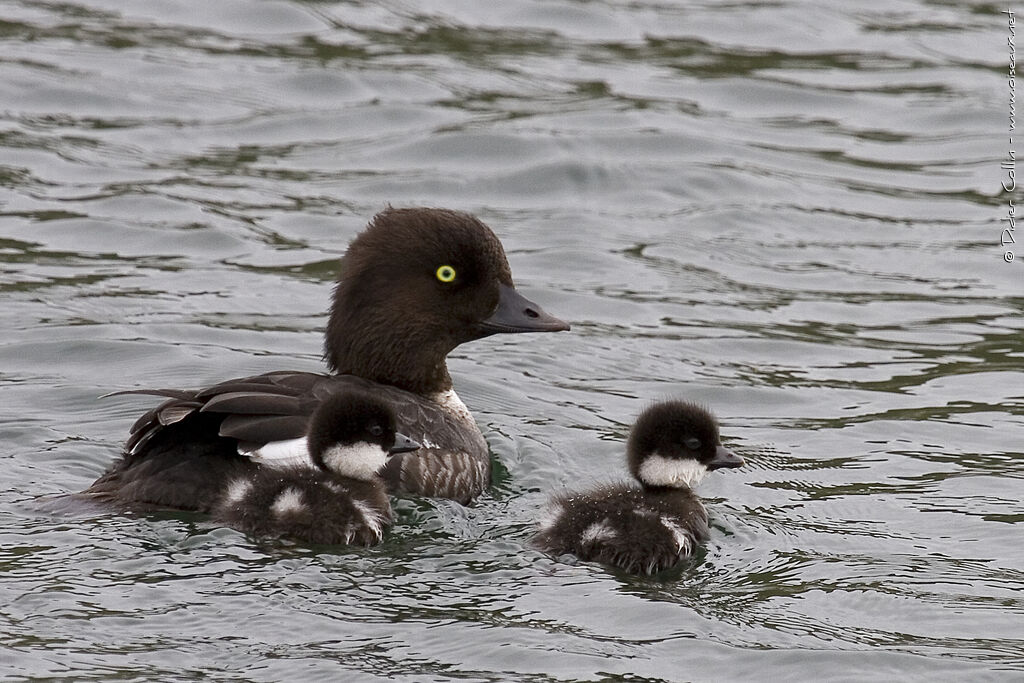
[414, 285]
[645, 529]
[343, 500]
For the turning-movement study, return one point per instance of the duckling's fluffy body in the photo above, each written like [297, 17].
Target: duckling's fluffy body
[306, 505]
[641, 532]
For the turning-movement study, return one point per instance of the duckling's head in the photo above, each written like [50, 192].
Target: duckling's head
[353, 435]
[674, 444]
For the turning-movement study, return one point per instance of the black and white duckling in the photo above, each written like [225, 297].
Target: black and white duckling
[412, 286]
[342, 501]
[649, 528]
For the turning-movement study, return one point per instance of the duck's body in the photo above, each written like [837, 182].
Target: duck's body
[242, 426]
[647, 528]
[413, 286]
[341, 499]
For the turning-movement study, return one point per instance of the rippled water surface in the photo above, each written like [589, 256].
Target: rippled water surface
[790, 211]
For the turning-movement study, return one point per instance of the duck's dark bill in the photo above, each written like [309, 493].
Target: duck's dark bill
[725, 458]
[516, 313]
[403, 444]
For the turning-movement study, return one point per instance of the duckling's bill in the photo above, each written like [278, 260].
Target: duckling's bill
[403, 444]
[725, 458]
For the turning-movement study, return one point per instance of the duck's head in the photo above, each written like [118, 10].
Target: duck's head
[415, 284]
[674, 444]
[353, 434]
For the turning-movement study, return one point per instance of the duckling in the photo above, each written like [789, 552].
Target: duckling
[343, 500]
[649, 528]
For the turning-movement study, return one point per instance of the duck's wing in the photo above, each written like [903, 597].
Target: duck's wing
[255, 410]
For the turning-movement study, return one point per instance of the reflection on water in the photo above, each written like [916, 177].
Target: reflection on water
[790, 213]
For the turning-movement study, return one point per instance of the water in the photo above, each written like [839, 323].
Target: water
[790, 211]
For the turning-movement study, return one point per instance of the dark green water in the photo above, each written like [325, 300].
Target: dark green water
[790, 211]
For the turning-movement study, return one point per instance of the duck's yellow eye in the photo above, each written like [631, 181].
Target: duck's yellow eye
[445, 273]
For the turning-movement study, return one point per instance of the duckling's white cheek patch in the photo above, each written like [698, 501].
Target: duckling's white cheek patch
[358, 461]
[658, 470]
[288, 501]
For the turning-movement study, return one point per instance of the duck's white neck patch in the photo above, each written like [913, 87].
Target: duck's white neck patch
[358, 461]
[451, 403]
[657, 470]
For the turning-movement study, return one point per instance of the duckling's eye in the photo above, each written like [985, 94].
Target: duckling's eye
[376, 430]
[445, 273]
[692, 443]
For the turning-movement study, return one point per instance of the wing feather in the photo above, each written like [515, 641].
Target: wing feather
[264, 429]
[257, 403]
